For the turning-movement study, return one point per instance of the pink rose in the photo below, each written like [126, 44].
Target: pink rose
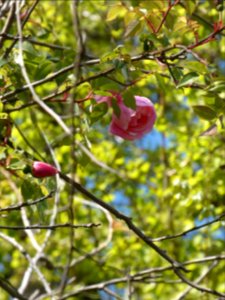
[131, 124]
[41, 169]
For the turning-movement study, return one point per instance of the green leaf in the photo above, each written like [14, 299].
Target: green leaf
[219, 105]
[2, 153]
[115, 107]
[3, 116]
[190, 6]
[161, 82]
[194, 66]
[118, 63]
[204, 112]
[135, 2]
[217, 86]
[153, 4]
[103, 93]
[109, 56]
[115, 11]
[44, 68]
[99, 110]
[41, 208]
[83, 158]
[29, 48]
[3, 62]
[187, 79]
[177, 73]
[132, 28]
[17, 164]
[129, 100]
[30, 190]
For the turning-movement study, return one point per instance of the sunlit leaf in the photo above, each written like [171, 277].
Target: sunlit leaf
[187, 79]
[115, 11]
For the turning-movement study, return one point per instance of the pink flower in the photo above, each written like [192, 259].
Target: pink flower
[131, 124]
[41, 169]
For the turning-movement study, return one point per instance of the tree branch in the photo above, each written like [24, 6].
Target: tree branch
[51, 227]
[11, 290]
[125, 218]
[184, 233]
[26, 204]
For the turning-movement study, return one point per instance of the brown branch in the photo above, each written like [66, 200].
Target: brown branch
[11, 290]
[25, 204]
[184, 233]
[140, 276]
[125, 218]
[34, 149]
[80, 52]
[176, 266]
[196, 286]
[198, 280]
[165, 15]
[145, 56]
[207, 39]
[51, 227]
[34, 41]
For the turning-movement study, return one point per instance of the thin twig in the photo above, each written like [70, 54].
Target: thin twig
[26, 204]
[102, 245]
[184, 233]
[111, 293]
[33, 41]
[34, 149]
[21, 249]
[40, 253]
[165, 15]
[50, 227]
[77, 72]
[177, 267]
[7, 24]
[36, 98]
[123, 217]
[137, 277]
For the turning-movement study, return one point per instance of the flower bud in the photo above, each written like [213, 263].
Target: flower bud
[41, 169]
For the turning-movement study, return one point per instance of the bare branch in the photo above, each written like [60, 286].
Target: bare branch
[7, 24]
[177, 267]
[33, 41]
[11, 290]
[184, 233]
[108, 239]
[29, 12]
[126, 219]
[47, 109]
[201, 277]
[140, 276]
[50, 227]
[26, 204]
[18, 246]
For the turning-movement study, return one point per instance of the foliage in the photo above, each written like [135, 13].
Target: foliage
[123, 219]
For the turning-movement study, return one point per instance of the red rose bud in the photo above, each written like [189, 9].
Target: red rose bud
[41, 169]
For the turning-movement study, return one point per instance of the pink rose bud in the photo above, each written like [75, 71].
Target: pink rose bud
[133, 124]
[41, 169]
